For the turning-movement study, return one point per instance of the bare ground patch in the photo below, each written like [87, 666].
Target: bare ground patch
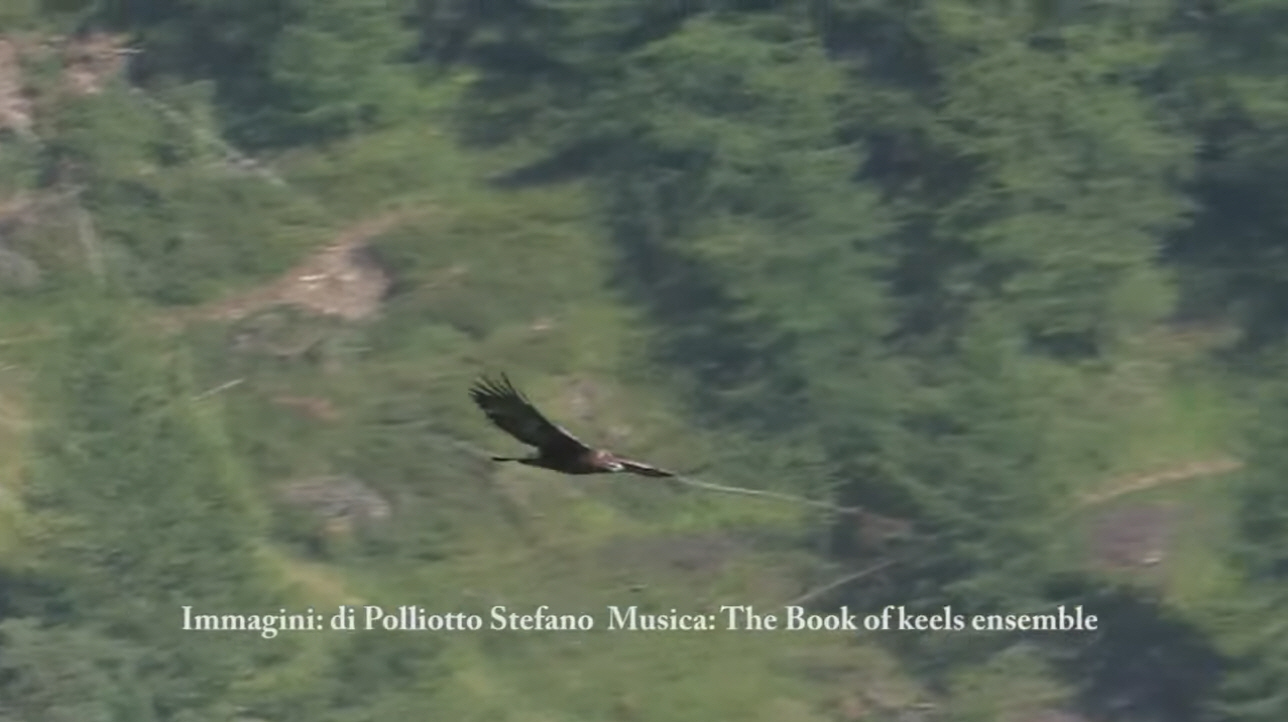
[1133, 537]
[340, 280]
[342, 501]
[15, 106]
[89, 61]
[1138, 537]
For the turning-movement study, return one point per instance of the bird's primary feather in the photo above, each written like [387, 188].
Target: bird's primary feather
[514, 414]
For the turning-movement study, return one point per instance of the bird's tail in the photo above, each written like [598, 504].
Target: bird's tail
[636, 467]
[507, 458]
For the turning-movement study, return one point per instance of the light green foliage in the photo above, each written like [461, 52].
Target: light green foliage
[54, 674]
[18, 13]
[176, 224]
[1258, 646]
[913, 256]
[128, 429]
[134, 490]
[1012, 686]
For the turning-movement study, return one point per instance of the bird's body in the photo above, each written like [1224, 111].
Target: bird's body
[557, 449]
[595, 462]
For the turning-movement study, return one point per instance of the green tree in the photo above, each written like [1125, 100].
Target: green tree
[1249, 625]
[1225, 80]
[286, 72]
[1045, 183]
[340, 68]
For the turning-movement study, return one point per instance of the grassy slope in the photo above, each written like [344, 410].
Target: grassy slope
[1162, 415]
[489, 269]
[1151, 418]
[14, 427]
[531, 539]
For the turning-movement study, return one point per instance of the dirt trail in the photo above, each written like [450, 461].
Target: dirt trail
[1140, 482]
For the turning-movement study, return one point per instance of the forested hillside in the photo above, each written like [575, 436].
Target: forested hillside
[1008, 275]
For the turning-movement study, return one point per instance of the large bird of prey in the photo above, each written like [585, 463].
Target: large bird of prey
[556, 449]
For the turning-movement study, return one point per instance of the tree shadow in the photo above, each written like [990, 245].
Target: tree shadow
[1144, 662]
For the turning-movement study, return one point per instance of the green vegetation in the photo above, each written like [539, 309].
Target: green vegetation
[1009, 274]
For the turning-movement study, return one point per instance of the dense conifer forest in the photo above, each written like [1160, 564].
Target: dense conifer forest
[1012, 276]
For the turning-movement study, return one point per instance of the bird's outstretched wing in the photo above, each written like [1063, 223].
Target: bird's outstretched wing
[636, 467]
[515, 415]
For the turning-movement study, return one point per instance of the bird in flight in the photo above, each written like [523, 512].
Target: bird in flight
[556, 448]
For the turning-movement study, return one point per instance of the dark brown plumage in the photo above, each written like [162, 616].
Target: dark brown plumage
[557, 449]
